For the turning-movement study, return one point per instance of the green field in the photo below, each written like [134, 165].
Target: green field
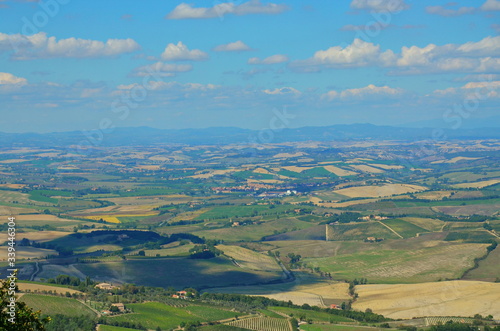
[470, 236]
[405, 229]
[262, 323]
[177, 272]
[488, 270]
[222, 212]
[360, 231]
[402, 265]
[50, 305]
[254, 232]
[154, 314]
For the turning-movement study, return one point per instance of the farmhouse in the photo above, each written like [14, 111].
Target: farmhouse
[120, 306]
[105, 286]
[334, 306]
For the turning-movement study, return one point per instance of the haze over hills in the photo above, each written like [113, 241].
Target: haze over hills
[228, 135]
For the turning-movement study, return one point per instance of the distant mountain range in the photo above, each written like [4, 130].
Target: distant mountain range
[133, 136]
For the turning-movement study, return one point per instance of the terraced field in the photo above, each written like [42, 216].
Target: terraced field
[154, 314]
[262, 324]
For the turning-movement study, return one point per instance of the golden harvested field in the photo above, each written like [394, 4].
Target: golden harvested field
[480, 184]
[379, 191]
[14, 186]
[39, 236]
[339, 171]
[39, 287]
[297, 169]
[105, 218]
[261, 171]
[151, 200]
[304, 289]
[450, 298]
[288, 155]
[6, 211]
[366, 168]
[249, 259]
[458, 158]
[13, 161]
[386, 166]
[27, 252]
[433, 195]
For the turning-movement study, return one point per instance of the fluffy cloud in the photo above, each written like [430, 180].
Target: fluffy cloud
[171, 86]
[370, 91]
[237, 46]
[491, 5]
[380, 5]
[180, 52]
[473, 90]
[358, 54]
[283, 90]
[273, 59]
[40, 46]
[187, 11]
[472, 57]
[10, 79]
[450, 9]
[161, 69]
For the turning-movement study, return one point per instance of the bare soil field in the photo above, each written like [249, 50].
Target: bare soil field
[39, 287]
[297, 169]
[450, 298]
[339, 171]
[379, 191]
[366, 168]
[479, 184]
[27, 252]
[386, 166]
[39, 236]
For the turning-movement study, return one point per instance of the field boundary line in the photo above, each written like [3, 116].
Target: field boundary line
[387, 226]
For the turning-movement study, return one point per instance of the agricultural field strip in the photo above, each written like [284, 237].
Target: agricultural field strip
[387, 226]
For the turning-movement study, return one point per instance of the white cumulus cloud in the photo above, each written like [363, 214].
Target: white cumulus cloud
[181, 52]
[39, 46]
[187, 11]
[273, 59]
[282, 90]
[491, 5]
[161, 69]
[237, 46]
[380, 5]
[9, 79]
[369, 91]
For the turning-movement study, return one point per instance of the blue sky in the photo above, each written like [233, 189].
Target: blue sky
[84, 65]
